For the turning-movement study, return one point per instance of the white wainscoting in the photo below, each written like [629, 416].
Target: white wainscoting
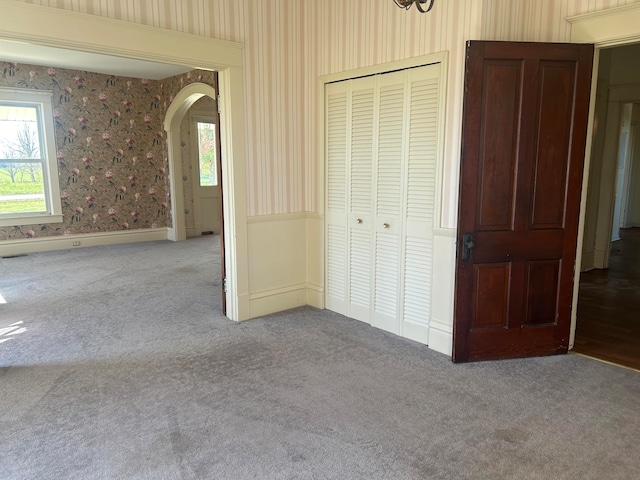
[279, 264]
[315, 260]
[442, 293]
[63, 242]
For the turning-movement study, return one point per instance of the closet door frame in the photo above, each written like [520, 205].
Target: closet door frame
[435, 58]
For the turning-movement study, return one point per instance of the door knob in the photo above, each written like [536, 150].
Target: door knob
[359, 221]
[467, 245]
[385, 225]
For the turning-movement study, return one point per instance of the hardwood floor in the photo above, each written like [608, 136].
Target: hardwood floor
[608, 324]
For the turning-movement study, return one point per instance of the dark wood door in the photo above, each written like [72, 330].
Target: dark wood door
[223, 271]
[524, 133]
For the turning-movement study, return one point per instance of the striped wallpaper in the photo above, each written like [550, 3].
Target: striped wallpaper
[290, 43]
[360, 33]
[541, 21]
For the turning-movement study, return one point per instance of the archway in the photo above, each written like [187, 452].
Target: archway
[181, 104]
[176, 112]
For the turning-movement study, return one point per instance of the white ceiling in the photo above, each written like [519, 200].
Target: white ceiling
[92, 62]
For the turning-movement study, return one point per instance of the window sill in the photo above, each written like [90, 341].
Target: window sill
[30, 220]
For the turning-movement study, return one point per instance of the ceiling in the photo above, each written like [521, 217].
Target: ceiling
[19, 52]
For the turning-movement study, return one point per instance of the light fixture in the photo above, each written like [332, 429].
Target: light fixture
[422, 5]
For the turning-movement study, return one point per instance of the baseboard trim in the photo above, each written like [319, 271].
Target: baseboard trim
[588, 261]
[440, 337]
[65, 242]
[277, 300]
[315, 296]
[415, 332]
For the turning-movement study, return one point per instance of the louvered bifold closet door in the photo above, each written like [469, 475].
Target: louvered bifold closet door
[382, 144]
[389, 188]
[337, 146]
[420, 200]
[362, 133]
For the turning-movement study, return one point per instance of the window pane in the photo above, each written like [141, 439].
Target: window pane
[21, 188]
[207, 154]
[19, 132]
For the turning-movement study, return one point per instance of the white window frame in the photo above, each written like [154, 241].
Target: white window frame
[41, 100]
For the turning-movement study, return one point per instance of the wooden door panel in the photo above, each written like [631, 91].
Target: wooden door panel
[524, 134]
[552, 144]
[491, 296]
[501, 103]
[514, 246]
[521, 342]
[542, 280]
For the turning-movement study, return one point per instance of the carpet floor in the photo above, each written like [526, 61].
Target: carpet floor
[115, 363]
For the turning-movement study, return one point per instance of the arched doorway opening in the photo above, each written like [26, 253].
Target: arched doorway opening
[176, 112]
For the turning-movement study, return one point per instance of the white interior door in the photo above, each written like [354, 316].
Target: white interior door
[205, 180]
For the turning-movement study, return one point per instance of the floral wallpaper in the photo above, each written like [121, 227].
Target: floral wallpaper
[111, 147]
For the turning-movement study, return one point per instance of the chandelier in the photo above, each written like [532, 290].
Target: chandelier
[422, 5]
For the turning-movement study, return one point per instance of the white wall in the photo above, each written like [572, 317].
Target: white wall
[622, 171]
[597, 151]
[618, 83]
[633, 206]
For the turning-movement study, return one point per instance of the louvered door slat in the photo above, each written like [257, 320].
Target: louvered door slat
[362, 134]
[390, 148]
[337, 150]
[360, 275]
[417, 281]
[420, 205]
[336, 163]
[387, 258]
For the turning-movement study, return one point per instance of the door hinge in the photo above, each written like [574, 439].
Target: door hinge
[219, 104]
[224, 285]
